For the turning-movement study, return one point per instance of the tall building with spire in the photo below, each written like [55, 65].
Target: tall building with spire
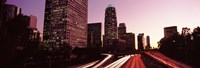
[65, 23]
[111, 31]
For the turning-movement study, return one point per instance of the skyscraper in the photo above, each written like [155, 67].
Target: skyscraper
[94, 35]
[148, 42]
[169, 31]
[130, 40]
[2, 10]
[121, 29]
[9, 13]
[111, 31]
[65, 22]
[128, 37]
[141, 41]
[2, 14]
[33, 21]
[12, 11]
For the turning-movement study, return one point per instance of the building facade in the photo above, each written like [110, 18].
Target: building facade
[141, 41]
[111, 31]
[128, 37]
[94, 35]
[2, 23]
[121, 29]
[19, 38]
[130, 41]
[169, 31]
[33, 21]
[148, 46]
[9, 13]
[65, 22]
[2, 10]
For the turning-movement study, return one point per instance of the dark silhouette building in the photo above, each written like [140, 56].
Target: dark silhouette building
[119, 45]
[130, 41]
[65, 22]
[111, 31]
[94, 35]
[2, 11]
[148, 46]
[21, 41]
[12, 11]
[196, 39]
[128, 37]
[186, 36]
[141, 41]
[9, 12]
[170, 31]
[33, 21]
[2, 24]
[121, 30]
[2, 27]
[18, 39]
[2, 4]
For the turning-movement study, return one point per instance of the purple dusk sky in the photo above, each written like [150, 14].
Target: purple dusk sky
[140, 16]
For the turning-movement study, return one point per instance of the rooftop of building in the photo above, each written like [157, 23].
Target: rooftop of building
[170, 27]
[110, 5]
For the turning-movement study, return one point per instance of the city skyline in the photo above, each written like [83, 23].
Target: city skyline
[160, 34]
[148, 17]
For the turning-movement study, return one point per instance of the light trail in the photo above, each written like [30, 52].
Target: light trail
[88, 64]
[112, 65]
[120, 64]
[167, 61]
[103, 61]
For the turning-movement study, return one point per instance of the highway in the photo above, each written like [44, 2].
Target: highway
[143, 60]
[88, 64]
[94, 64]
[109, 56]
[134, 62]
[118, 63]
[99, 64]
[166, 60]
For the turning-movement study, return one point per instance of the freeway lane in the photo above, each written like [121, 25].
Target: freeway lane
[166, 60]
[88, 64]
[109, 56]
[143, 60]
[135, 62]
[130, 62]
[140, 62]
[94, 64]
[118, 63]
